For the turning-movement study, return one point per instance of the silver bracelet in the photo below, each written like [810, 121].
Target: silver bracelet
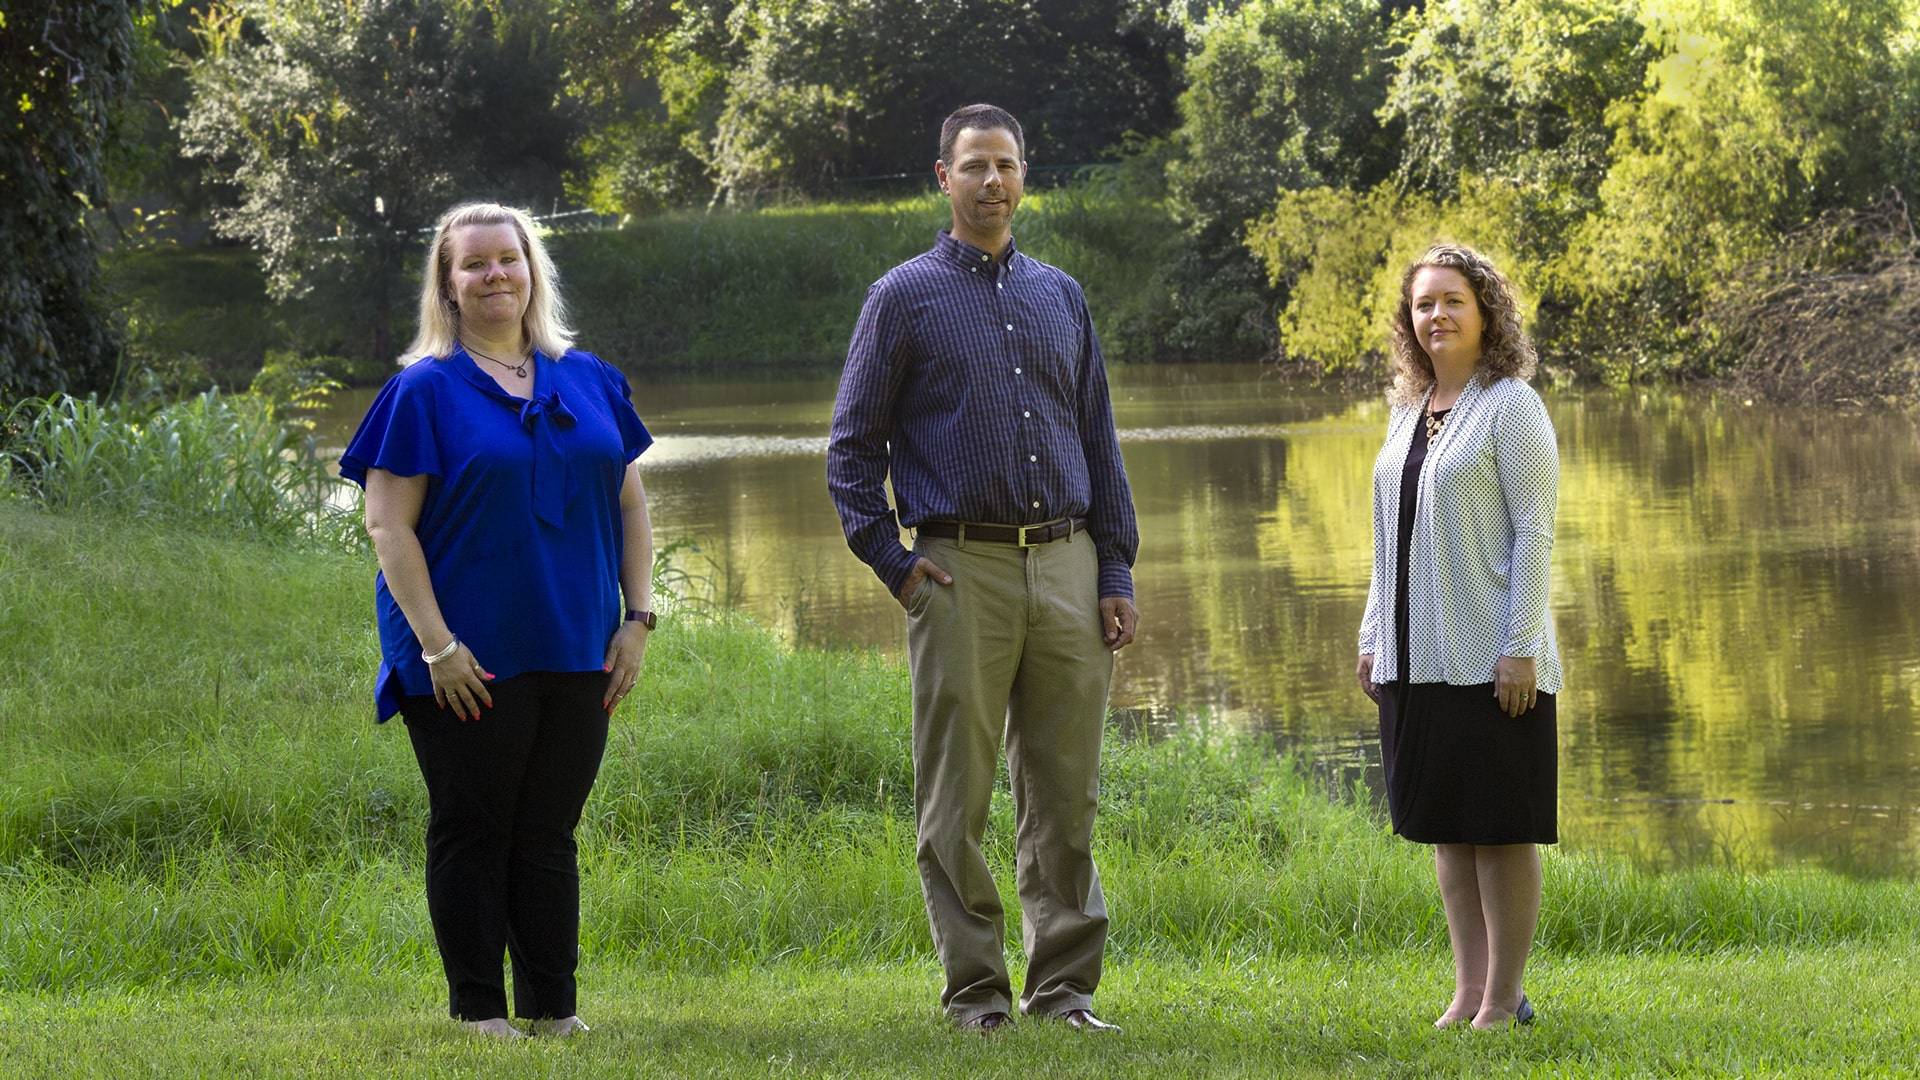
[442, 654]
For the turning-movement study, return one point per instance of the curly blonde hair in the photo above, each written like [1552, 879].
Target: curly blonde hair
[1505, 349]
[545, 322]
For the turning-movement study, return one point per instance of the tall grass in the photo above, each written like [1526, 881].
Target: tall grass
[193, 787]
[229, 461]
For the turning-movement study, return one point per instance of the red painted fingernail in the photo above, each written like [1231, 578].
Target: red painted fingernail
[606, 667]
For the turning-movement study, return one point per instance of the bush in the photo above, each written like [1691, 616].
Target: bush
[1828, 318]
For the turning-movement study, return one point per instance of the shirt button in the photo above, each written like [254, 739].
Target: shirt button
[1009, 326]
[998, 285]
[975, 269]
[1036, 506]
[1016, 371]
[1033, 457]
[1026, 414]
[984, 258]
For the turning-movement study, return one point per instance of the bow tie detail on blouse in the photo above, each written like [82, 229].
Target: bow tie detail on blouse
[549, 465]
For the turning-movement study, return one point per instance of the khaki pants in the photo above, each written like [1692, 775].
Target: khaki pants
[1013, 645]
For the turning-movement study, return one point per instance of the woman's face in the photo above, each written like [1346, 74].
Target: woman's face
[1446, 315]
[489, 277]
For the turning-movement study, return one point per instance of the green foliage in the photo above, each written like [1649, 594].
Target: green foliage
[1517, 91]
[1757, 117]
[797, 97]
[351, 127]
[201, 317]
[1339, 255]
[1624, 160]
[778, 288]
[63, 67]
[651, 79]
[222, 461]
[1281, 96]
[782, 287]
[157, 196]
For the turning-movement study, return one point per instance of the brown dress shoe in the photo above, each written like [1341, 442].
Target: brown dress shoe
[1084, 1020]
[987, 1023]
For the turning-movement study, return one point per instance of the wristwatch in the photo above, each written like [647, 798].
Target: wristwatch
[644, 618]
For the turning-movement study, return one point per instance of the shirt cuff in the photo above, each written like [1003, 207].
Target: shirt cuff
[1116, 579]
[893, 568]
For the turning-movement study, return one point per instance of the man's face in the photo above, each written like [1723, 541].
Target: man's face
[983, 182]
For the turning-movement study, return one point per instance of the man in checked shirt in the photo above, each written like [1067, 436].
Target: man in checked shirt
[974, 378]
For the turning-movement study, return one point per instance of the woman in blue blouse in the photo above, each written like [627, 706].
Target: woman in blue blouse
[505, 506]
[1456, 647]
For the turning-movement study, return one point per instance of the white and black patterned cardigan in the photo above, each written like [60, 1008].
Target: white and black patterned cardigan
[1482, 540]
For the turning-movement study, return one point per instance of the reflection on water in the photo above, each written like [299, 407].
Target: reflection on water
[1737, 590]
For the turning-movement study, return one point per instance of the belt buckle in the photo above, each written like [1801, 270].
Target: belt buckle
[1044, 529]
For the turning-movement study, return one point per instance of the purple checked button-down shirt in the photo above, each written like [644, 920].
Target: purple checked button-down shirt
[980, 387]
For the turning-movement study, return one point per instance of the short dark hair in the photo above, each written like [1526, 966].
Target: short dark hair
[980, 118]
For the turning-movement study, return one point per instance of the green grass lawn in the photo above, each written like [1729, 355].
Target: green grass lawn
[210, 865]
[1842, 1011]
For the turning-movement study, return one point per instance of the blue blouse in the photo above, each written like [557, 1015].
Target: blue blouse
[521, 525]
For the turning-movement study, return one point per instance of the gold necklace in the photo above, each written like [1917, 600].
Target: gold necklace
[1435, 424]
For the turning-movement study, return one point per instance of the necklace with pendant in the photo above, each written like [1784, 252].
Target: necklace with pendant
[519, 369]
[1436, 423]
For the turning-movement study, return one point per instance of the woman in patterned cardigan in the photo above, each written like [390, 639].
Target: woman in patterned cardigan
[1456, 647]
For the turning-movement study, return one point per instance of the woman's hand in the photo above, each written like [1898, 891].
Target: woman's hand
[460, 681]
[624, 655]
[1365, 674]
[1513, 684]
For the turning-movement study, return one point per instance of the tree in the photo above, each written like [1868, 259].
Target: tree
[800, 96]
[1517, 89]
[354, 126]
[156, 190]
[1757, 117]
[650, 77]
[63, 65]
[1281, 95]
[1518, 94]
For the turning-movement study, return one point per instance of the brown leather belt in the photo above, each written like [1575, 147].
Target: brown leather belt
[1018, 535]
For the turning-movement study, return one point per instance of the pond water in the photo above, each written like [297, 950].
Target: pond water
[1736, 589]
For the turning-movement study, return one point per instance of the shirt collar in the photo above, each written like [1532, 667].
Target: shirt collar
[542, 416]
[961, 253]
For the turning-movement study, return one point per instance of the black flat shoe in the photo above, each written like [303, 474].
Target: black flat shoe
[1523, 1014]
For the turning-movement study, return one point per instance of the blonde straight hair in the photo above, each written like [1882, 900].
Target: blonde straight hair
[545, 322]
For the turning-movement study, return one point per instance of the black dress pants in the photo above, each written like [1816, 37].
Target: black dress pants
[506, 792]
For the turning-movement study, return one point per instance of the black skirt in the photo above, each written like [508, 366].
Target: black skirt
[1460, 771]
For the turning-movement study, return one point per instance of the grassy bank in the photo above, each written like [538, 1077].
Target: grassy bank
[777, 288]
[198, 818]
